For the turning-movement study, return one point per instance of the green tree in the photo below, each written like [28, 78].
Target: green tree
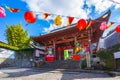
[17, 36]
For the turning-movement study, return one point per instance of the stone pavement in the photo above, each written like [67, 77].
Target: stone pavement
[51, 74]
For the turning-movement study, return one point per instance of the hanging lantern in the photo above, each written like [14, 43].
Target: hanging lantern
[76, 57]
[77, 49]
[86, 44]
[50, 58]
[2, 12]
[30, 17]
[87, 49]
[117, 28]
[59, 49]
[64, 48]
[69, 47]
[81, 24]
[103, 26]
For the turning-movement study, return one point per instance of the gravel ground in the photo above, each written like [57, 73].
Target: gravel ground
[44, 74]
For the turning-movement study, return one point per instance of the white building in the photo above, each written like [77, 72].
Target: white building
[110, 40]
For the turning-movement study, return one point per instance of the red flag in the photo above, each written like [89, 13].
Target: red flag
[12, 9]
[70, 20]
[46, 15]
[110, 24]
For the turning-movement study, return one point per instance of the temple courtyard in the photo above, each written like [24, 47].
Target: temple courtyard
[51, 74]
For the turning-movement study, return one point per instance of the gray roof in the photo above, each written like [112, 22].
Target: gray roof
[110, 40]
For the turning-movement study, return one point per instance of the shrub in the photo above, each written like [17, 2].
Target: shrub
[107, 56]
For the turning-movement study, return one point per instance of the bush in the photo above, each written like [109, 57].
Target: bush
[107, 56]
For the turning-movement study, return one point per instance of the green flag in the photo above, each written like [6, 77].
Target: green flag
[66, 55]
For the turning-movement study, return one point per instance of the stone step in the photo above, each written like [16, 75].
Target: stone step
[65, 64]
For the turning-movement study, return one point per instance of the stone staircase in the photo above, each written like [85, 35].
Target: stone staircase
[64, 64]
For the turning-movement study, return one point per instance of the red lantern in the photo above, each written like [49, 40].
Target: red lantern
[118, 28]
[30, 17]
[59, 49]
[64, 48]
[69, 47]
[86, 44]
[49, 58]
[76, 57]
[81, 24]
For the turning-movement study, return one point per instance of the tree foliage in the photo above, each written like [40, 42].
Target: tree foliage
[107, 56]
[17, 36]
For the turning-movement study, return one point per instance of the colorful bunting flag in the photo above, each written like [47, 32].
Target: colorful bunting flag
[12, 9]
[46, 15]
[70, 20]
[81, 24]
[89, 24]
[58, 20]
[110, 24]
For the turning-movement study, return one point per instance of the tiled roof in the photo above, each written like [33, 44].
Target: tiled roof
[111, 40]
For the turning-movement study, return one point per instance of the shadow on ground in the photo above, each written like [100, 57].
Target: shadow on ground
[67, 74]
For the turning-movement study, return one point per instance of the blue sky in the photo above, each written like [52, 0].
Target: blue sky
[76, 8]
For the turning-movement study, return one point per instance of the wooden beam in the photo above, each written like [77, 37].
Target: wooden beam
[64, 41]
[82, 37]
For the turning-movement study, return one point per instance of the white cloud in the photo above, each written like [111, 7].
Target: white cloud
[118, 19]
[116, 3]
[60, 7]
[49, 29]
[101, 5]
[68, 8]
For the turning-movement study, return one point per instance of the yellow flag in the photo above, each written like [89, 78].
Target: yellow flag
[12, 9]
[58, 21]
[89, 24]
[7, 7]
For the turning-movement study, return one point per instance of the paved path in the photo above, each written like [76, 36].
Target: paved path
[49, 74]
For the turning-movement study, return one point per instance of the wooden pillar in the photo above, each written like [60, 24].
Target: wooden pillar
[89, 55]
[45, 48]
[74, 43]
[89, 40]
[54, 48]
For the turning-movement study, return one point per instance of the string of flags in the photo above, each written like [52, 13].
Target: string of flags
[30, 17]
[114, 1]
[12, 9]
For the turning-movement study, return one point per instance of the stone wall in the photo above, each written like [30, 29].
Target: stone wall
[11, 58]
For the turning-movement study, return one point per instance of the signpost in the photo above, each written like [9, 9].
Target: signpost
[116, 57]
